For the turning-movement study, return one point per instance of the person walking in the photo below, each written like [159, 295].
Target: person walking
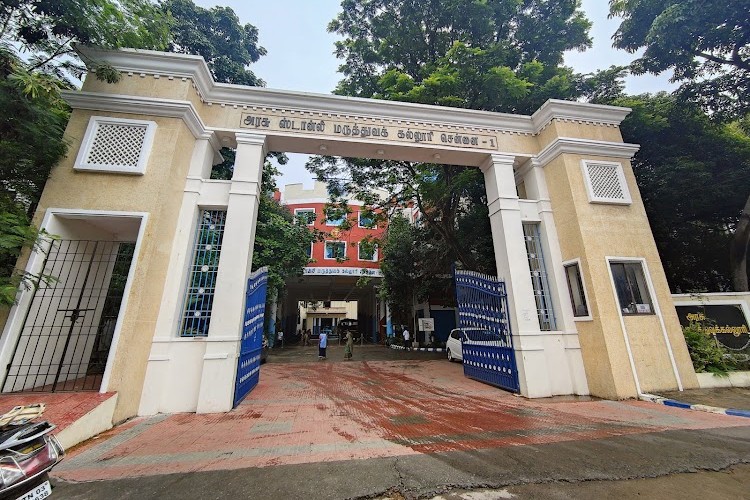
[305, 337]
[349, 348]
[407, 338]
[280, 338]
[322, 344]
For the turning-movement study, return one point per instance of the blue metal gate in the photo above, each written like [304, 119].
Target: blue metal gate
[248, 364]
[483, 316]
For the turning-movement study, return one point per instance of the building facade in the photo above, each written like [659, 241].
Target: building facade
[589, 305]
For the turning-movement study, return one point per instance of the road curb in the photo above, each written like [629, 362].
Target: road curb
[425, 349]
[679, 404]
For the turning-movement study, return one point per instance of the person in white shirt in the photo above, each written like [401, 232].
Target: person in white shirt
[407, 338]
[322, 344]
[280, 338]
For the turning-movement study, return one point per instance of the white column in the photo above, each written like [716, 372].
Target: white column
[513, 267]
[224, 334]
[166, 386]
[565, 344]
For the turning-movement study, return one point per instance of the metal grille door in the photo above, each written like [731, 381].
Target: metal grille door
[248, 364]
[67, 333]
[483, 316]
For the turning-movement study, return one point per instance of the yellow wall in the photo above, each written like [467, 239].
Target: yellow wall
[592, 232]
[158, 192]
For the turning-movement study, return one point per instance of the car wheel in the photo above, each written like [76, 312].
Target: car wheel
[450, 356]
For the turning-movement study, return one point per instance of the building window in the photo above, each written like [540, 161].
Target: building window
[631, 286]
[305, 215]
[310, 251]
[366, 219]
[539, 280]
[576, 289]
[367, 251]
[199, 295]
[335, 250]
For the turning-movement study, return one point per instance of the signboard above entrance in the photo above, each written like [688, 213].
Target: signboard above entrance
[368, 128]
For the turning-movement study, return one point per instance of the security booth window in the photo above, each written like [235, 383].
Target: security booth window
[575, 287]
[335, 250]
[632, 290]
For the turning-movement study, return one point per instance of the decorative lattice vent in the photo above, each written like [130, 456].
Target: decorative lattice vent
[605, 183]
[116, 145]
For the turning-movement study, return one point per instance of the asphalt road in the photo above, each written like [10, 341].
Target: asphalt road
[576, 469]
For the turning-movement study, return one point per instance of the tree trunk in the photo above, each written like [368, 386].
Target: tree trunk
[738, 251]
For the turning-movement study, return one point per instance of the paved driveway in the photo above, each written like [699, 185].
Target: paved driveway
[323, 412]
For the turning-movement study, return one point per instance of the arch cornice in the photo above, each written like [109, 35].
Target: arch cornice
[147, 62]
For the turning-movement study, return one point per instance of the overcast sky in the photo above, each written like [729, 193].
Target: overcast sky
[300, 52]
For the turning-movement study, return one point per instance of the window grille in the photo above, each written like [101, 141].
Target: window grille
[606, 183]
[539, 279]
[199, 295]
[116, 145]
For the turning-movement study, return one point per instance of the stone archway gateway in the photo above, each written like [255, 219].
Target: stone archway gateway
[589, 303]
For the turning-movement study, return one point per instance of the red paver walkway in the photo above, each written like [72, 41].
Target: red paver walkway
[322, 412]
[62, 408]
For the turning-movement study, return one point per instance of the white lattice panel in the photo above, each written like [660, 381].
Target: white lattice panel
[116, 145]
[606, 183]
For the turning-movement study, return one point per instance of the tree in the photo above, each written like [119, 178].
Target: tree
[45, 31]
[693, 175]
[32, 114]
[494, 55]
[706, 45]
[708, 48]
[281, 241]
[217, 35]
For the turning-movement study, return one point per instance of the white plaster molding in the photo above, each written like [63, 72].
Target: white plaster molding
[504, 204]
[242, 187]
[497, 159]
[556, 109]
[586, 147]
[143, 62]
[134, 105]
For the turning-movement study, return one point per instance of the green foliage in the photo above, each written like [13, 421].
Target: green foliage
[282, 242]
[46, 30]
[706, 44]
[16, 233]
[705, 353]
[494, 55]
[693, 175]
[217, 35]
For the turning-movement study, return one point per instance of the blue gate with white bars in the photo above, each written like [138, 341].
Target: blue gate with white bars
[248, 364]
[483, 316]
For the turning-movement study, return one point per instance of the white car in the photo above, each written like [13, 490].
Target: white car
[453, 345]
[459, 336]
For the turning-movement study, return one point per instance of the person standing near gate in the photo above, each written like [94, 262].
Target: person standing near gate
[280, 338]
[349, 348]
[407, 338]
[322, 344]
